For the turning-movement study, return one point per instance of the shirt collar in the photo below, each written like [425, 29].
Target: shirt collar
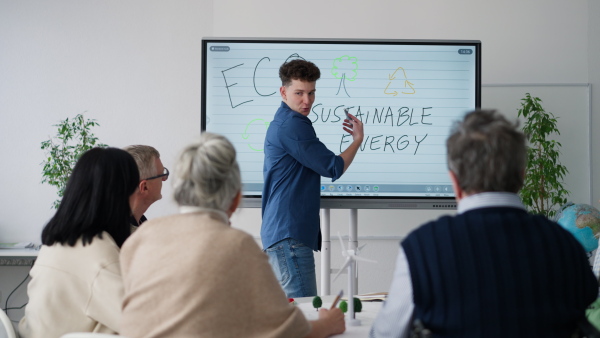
[135, 222]
[490, 199]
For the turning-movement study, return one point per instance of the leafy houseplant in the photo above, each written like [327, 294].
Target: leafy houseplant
[543, 188]
[73, 138]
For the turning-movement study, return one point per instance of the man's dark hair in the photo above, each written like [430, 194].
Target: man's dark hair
[298, 69]
[487, 153]
[96, 199]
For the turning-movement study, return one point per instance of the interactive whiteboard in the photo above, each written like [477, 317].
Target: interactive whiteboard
[407, 93]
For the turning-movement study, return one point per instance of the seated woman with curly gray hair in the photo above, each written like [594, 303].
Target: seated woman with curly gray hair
[192, 275]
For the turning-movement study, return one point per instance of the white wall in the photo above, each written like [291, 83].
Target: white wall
[135, 67]
[132, 65]
[594, 79]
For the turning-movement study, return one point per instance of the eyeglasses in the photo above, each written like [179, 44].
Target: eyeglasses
[164, 175]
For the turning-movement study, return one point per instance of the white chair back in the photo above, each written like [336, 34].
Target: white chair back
[7, 330]
[89, 335]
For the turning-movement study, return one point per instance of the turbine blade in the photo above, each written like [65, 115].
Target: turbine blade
[358, 258]
[341, 242]
[348, 261]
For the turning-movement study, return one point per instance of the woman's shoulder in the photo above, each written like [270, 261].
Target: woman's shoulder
[181, 222]
[102, 243]
[88, 259]
[199, 226]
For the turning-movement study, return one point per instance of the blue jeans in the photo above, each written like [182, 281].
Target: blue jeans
[294, 266]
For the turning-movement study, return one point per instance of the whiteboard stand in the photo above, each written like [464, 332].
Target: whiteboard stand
[352, 245]
[326, 249]
[325, 252]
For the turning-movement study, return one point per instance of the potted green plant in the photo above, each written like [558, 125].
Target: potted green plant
[543, 189]
[73, 138]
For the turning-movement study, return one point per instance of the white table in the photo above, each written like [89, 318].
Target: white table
[367, 316]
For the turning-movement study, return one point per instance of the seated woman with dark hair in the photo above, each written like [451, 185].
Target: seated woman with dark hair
[76, 283]
[192, 275]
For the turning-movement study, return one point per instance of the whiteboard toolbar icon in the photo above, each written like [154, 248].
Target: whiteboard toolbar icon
[220, 48]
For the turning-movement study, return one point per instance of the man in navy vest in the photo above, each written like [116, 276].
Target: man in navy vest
[493, 270]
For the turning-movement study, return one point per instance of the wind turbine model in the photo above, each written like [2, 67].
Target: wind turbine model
[351, 258]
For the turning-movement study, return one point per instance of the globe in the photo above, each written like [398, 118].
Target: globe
[583, 221]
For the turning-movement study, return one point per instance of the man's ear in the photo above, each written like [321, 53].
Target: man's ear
[283, 93]
[143, 186]
[458, 193]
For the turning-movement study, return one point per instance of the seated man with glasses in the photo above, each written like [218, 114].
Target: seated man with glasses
[152, 174]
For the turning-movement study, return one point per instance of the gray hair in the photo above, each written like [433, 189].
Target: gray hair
[487, 153]
[144, 158]
[207, 174]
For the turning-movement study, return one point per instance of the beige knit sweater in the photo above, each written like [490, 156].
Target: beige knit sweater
[191, 275]
[74, 289]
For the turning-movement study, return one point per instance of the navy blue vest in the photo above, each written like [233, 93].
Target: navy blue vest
[498, 272]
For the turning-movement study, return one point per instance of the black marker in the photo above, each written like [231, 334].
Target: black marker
[346, 111]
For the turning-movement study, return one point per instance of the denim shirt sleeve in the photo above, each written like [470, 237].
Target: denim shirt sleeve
[299, 139]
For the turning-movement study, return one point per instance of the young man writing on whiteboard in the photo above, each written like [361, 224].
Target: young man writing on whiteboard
[295, 160]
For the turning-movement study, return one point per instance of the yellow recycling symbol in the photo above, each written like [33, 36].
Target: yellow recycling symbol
[407, 84]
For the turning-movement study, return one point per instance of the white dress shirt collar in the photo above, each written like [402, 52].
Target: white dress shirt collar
[488, 200]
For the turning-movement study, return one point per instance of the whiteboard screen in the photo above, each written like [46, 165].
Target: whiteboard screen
[407, 93]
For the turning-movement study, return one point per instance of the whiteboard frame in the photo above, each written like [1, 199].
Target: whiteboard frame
[353, 202]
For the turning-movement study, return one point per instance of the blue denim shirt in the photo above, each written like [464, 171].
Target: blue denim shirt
[295, 160]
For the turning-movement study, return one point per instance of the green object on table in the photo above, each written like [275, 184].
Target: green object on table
[344, 306]
[357, 305]
[317, 302]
